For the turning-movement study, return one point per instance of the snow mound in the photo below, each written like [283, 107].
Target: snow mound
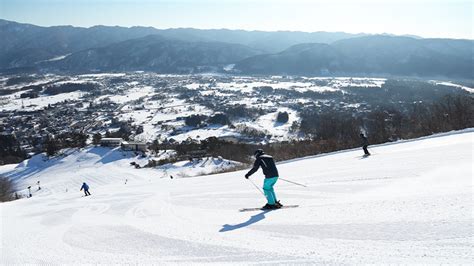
[198, 167]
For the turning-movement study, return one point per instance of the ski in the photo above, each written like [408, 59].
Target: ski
[261, 209]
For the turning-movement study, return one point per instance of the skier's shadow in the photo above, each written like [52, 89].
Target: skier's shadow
[253, 219]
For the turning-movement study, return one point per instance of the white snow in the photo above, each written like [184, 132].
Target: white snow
[341, 82]
[204, 133]
[197, 167]
[447, 83]
[129, 95]
[246, 84]
[229, 67]
[103, 75]
[57, 58]
[40, 102]
[195, 86]
[409, 203]
[268, 123]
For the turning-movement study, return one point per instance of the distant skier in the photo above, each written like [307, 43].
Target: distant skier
[364, 143]
[271, 176]
[86, 189]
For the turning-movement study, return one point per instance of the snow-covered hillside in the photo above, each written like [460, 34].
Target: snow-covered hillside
[411, 202]
[151, 106]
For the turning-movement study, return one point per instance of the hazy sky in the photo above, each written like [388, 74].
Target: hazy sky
[435, 18]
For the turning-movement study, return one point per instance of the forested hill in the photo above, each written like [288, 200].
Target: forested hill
[102, 48]
[370, 55]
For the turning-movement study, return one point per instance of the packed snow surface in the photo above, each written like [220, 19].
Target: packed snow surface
[410, 202]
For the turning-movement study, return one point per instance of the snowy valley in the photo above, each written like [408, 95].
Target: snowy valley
[147, 107]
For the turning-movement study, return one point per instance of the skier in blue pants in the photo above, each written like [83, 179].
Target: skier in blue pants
[271, 177]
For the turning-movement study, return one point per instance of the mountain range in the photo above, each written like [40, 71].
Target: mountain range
[187, 50]
[369, 55]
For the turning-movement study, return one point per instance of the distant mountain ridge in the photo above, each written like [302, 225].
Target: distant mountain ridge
[186, 50]
[266, 41]
[154, 53]
[370, 55]
[26, 44]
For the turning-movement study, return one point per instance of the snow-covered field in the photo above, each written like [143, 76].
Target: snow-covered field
[411, 202]
[159, 104]
[38, 103]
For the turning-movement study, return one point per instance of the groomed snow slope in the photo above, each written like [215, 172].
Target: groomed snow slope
[410, 202]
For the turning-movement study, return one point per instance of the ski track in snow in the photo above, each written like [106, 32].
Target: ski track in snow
[409, 203]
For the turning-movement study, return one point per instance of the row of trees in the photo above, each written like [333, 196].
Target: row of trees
[10, 150]
[66, 140]
[388, 123]
[197, 120]
[223, 119]
[69, 87]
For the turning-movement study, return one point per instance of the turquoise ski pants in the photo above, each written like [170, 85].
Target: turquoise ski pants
[268, 184]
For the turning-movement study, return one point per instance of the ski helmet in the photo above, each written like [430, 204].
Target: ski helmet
[258, 152]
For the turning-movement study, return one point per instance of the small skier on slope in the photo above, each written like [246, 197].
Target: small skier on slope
[364, 143]
[271, 176]
[86, 189]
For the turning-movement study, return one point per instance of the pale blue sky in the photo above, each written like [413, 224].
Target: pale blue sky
[435, 18]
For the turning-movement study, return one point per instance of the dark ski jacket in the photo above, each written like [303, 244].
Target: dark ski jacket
[268, 166]
[85, 187]
[365, 141]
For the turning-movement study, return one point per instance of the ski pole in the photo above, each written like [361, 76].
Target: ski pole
[289, 181]
[256, 187]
